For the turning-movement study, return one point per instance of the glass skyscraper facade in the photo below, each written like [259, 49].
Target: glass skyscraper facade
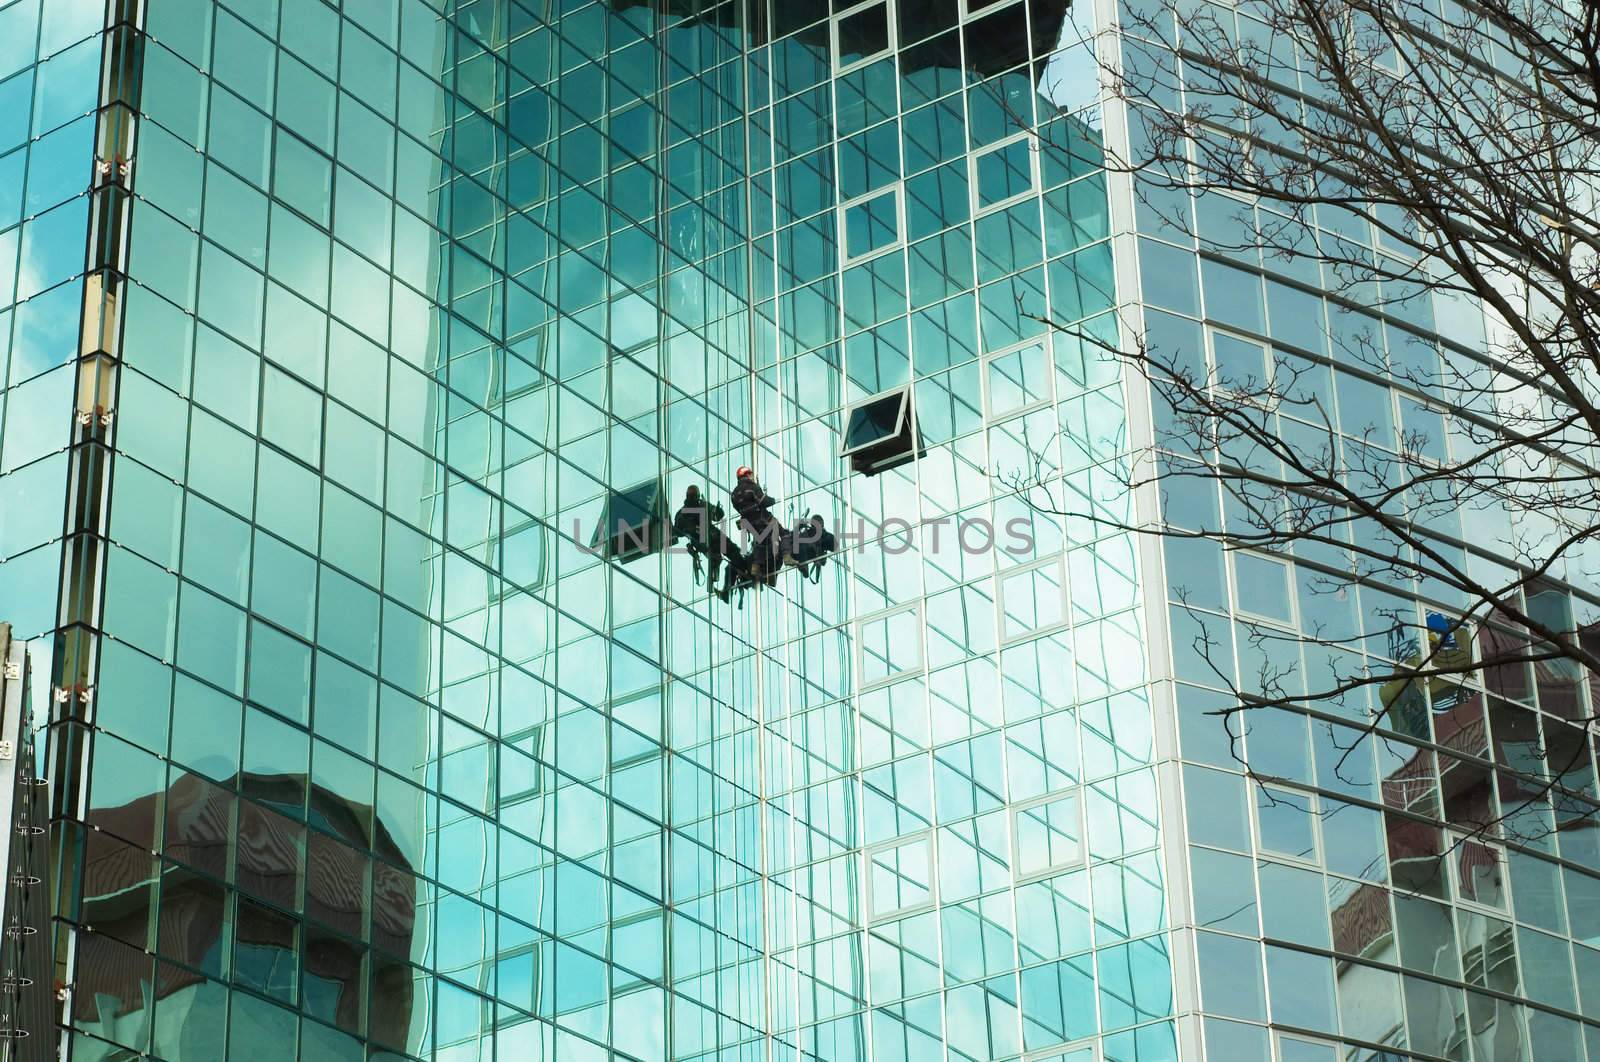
[1412, 867]
[331, 331]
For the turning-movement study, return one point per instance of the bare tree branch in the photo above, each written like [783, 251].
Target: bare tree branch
[1422, 463]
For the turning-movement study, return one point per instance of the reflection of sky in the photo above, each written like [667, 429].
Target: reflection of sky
[52, 248]
[1071, 75]
[68, 85]
[15, 95]
[34, 423]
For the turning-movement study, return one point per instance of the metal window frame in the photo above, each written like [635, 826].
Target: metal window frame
[1213, 330]
[1290, 625]
[1002, 578]
[1279, 1036]
[1027, 137]
[893, 188]
[915, 610]
[904, 841]
[836, 57]
[1017, 810]
[1050, 1054]
[1461, 900]
[906, 403]
[1314, 800]
[967, 12]
[1045, 342]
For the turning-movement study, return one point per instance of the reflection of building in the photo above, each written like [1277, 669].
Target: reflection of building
[357, 750]
[285, 872]
[26, 966]
[1406, 869]
[1005, 41]
[362, 752]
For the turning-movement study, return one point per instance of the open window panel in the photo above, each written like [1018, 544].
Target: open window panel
[880, 433]
[633, 524]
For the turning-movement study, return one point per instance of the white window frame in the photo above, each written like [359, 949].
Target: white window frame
[1078, 792]
[969, 12]
[841, 67]
[1052, 1053]
[1384, 244]
[873, 914]
[1461, 899]
[1028, 137]
[1044, 341]
[1314, 809]
[1278, 1037]
[1292, 624]
[1212, 331]
[1445, 418]
[1247, 146]
[847, 259]
[1350, 34]
[1003, 577]
[863, 683]
[907, 409]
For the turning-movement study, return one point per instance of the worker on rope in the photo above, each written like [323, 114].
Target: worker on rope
[813, 542]
[700, 526]
[754, 506]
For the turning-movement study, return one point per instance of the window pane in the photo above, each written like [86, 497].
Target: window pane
[1049, 835]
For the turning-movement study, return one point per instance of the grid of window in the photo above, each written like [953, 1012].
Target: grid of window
[995, 763]
[381, 758]
[49, 73]
[1426, 890]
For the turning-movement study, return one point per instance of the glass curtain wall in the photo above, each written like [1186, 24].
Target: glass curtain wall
[50, 59]
[359, 749]
[962, 724]
[1363, 904]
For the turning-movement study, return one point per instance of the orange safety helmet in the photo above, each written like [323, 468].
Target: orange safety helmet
[744, 472]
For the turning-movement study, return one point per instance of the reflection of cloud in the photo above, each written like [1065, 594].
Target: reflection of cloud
[53, 247]
[67, 22]
[45, 335]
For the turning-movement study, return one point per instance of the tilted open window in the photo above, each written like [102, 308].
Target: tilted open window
[633, 523]
[880, 433]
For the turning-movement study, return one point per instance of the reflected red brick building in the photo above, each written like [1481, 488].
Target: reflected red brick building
[312, 906]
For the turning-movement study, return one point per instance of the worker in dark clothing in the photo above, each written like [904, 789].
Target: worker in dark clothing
[692, 523]
[753, 504]
[813, 542]
[724, 549]
[701, 526]
[691, 520]
[696, 524]
[754, 507]
[738, 568]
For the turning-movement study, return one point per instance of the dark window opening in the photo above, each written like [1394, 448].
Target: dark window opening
[880, 433]
[634, 523]
[874, 421]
